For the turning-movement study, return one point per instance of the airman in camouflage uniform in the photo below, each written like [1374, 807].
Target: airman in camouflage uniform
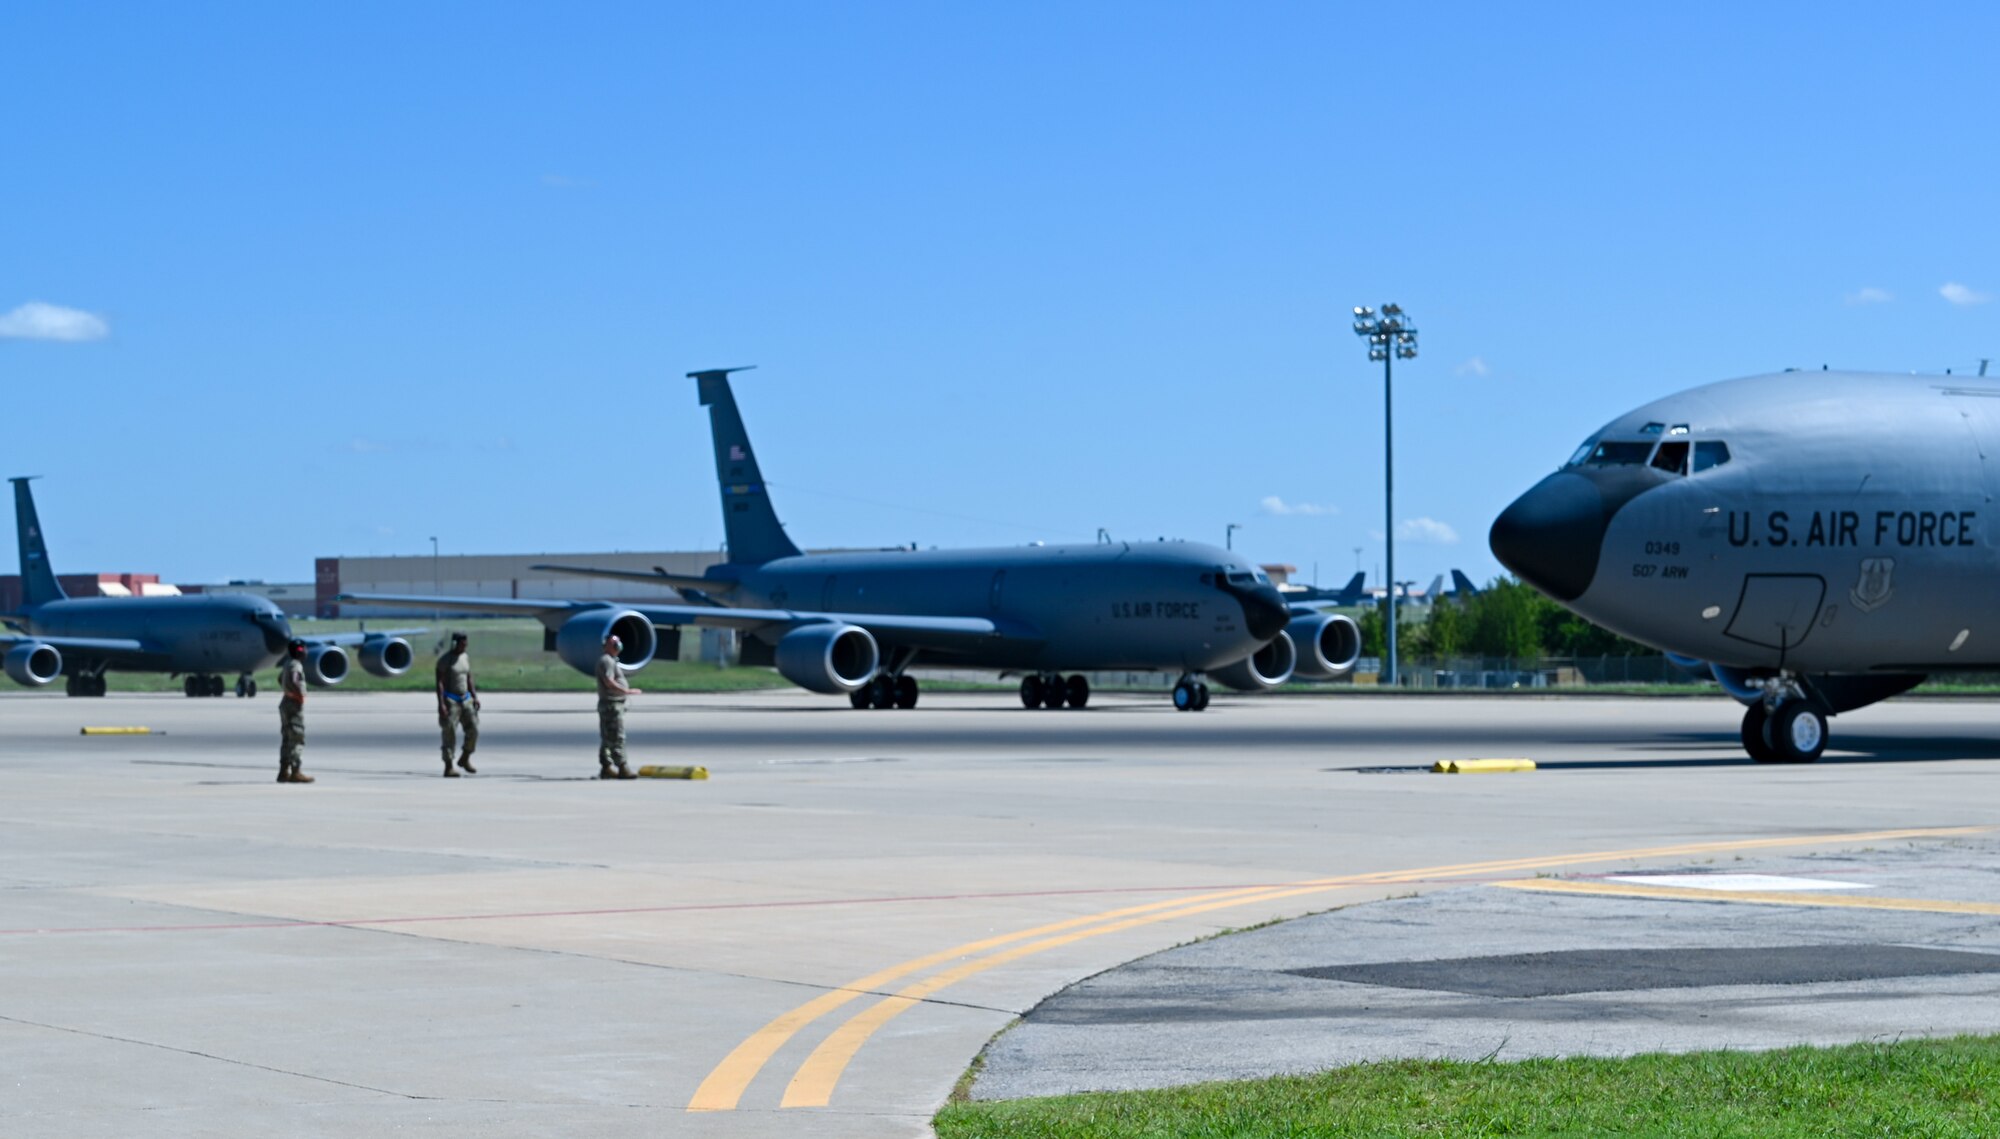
[458, 706]
[611, 693]
[292, 714]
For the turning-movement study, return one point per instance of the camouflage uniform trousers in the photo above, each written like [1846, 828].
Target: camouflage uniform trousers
[292, 735]
[459, 714]
[610, 733]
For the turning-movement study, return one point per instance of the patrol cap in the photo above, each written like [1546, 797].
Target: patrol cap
[458, 638]
[613, 640]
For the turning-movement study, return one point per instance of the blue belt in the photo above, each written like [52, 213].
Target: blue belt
[457, 699]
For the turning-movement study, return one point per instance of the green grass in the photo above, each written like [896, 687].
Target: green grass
[1930, 1088]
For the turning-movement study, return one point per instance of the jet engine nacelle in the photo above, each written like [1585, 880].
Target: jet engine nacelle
[580, 641]
[387, 656]
[1268, 667]
[1328, 644]
[34, 664]
[828, 657]
[326, 665]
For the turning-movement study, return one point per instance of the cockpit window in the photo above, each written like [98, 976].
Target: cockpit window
[1620, 453]
[1652, 429]
[1583, 451]
[1710, 453]
[1672, 456]
[1241, 578]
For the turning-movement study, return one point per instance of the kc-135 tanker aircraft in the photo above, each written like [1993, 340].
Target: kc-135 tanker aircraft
[854, 623]
[1820, 538]
[199, 637]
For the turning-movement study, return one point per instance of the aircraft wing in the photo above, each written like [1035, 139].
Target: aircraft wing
[105, 645]
[942, 633]
[945, 633]
[360, 638]
[650, 577]
[526, 607]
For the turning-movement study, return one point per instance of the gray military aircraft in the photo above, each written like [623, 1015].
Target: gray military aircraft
[196, 637]
[1818, 537]
[854, 623]
[1353, 593]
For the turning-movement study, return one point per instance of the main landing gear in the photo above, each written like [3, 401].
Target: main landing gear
[886, 691]
[246, 686]
[1050, 690]
[209, 684]
[1786, 726]
[1190, 694]
[84, 684]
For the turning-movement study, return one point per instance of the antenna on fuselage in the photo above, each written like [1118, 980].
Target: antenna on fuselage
[1983, 361]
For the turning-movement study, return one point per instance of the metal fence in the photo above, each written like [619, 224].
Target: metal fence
[1495, 673]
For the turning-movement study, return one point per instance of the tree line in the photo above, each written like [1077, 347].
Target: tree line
[1506, 619]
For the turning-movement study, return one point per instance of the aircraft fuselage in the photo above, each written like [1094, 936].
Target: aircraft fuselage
[190, 634]
[1092, 607]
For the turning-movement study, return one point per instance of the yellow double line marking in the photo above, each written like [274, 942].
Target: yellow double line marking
[813, 1084]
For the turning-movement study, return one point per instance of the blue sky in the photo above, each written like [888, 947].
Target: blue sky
[336, 279]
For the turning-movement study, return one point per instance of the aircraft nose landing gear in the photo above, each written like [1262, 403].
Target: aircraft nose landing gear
[1190, 695]
[1786, 726]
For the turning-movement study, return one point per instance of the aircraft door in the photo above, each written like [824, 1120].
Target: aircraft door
[1777, 610]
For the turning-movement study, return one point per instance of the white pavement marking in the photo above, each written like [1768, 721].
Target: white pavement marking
[1738, 882]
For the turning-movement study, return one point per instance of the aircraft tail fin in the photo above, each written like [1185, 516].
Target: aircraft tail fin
[1437, 588]
[38, 579]
[1463, 584]
[1355, 586]
[749, 523]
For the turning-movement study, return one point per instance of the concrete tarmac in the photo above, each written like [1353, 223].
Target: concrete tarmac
[815, 941]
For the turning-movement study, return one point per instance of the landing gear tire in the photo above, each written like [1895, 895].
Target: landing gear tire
[861, 697]
[1079, 691]
[906, 692]
[1754, 742]
[1054, 693]
[71, 685]
[1795, 733]
[1184, 697]
[1200, 697]
[882, 692]
[188, 685]
[216, 686]
[1031, 692]
[245, 687]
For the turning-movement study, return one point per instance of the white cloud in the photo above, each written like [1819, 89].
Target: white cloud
[1962, 294]
[1870, 296]
[1473, 367]
[1272, 504]
[1428, 531]
[39, 321]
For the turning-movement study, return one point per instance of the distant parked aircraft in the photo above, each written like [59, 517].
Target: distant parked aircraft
[199, 637]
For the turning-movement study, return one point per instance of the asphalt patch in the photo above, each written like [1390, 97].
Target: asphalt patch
[1628, 970]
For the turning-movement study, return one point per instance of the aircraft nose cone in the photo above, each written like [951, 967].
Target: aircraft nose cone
[1264, 611]
[1551, 536]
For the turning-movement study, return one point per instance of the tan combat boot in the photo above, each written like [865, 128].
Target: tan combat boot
[465, 761]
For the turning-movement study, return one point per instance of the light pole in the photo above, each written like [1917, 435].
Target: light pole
[1390, 337]
[1229, 535]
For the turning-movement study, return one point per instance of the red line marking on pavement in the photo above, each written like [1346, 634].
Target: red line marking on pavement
[713, 906]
